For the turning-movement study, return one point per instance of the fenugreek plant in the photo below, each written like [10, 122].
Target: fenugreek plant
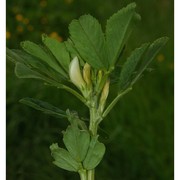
[85, 65]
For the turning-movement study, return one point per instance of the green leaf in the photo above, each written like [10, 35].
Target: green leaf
[13, 56]
[58, 50]
[73, 51]
[74, 119]
[44, 107]
[42, 55]
[22, 71]
[63, 159]
[86, 33]
[130, 65]
[95, 154]
[33, 63]
[150, 54]
[118, 29]
[77, 142]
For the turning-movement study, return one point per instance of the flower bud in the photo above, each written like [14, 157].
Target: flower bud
[99, 81]
[87, 74]
[75, 73]
[100, 74]
[104, 95]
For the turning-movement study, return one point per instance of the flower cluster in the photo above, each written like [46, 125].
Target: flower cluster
[84, 82]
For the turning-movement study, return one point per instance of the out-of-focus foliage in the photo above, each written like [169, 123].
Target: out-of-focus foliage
[138, 133]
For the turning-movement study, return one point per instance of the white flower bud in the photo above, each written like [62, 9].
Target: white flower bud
[75, 73]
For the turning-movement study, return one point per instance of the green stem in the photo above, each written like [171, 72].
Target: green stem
[93, 122]
[72, 91]
[93, 126]
[83, 174]
[113, 103]
[91, 174]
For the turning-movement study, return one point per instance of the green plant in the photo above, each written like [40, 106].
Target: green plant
[85, 65]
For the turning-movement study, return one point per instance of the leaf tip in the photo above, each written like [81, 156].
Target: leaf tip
[54, 146]
[44, 36]
[22, 44]
[23, 100]
[165, 39]
[132, 5]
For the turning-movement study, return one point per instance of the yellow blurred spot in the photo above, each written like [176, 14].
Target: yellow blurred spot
[8, 35]
[43, 3]
[30, 28]
[68, 1]
[44, 20]
[55, 35]
[19, 17]
[19, 29]
[26, 21]
[160, 58]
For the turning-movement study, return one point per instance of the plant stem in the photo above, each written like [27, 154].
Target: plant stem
[93, 126]
[93, 122]
[72, 91]
[113, 103]
[91, 174]
[83, 174]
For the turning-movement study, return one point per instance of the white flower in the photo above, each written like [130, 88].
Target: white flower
[75, 73]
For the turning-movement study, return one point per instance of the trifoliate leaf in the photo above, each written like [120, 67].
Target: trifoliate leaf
[77, 142]
[44, 107]
[118, 29]
[94, 155]
[86, 33]
[63, 159]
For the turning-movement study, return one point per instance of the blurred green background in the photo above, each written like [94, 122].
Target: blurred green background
[138, 133]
